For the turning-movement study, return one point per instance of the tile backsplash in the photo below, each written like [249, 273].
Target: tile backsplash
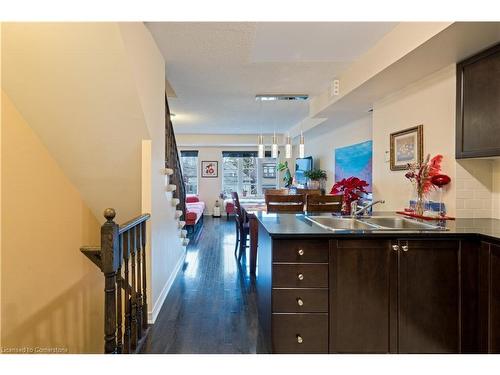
[474, 184]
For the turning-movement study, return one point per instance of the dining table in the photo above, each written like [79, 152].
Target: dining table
[249, 210]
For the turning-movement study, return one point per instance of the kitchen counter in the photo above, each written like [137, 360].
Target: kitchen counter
[289, 225]
[378, 291]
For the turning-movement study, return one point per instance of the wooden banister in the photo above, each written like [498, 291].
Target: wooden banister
[172, 160]
[122, 260]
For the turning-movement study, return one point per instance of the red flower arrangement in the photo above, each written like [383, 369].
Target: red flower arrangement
[425, 177]
[421, 174]
[352, 189]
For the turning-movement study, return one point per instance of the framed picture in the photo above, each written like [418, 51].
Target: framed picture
[209, 168]
[407, 147]
[269, 170]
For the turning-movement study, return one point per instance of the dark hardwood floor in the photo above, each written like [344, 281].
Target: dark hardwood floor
[211, 307]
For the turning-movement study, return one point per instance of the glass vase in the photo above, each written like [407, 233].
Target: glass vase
[419, 205]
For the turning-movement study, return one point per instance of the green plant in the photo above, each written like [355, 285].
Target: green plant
[315, 174]
[287, 177]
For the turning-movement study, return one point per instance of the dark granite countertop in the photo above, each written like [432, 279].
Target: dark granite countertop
[296, 225]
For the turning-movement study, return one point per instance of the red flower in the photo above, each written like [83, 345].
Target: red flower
[352, 188]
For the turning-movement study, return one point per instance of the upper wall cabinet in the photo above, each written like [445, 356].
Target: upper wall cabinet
[478, 105]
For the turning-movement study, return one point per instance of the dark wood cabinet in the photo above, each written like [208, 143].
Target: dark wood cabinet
[360, 296]
[478, 105]
[395, 296]
[429, 296]
[489, 298]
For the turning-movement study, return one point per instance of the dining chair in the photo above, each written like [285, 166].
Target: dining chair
[275, 191]
[290, 203]
[242, 226]
[324, 203]
[309, 191]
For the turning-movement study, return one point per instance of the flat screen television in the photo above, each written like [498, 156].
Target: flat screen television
[301, 166]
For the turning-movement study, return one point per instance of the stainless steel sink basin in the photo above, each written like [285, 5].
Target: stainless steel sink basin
[399, 223]
[380, 223]
[340, 223]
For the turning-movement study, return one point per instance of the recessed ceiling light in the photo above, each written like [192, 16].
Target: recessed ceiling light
[286, 97]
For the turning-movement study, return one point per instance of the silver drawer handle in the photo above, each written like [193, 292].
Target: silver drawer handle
[300, 252]
[395, 247]
[405, 247]
[300, 340]
[300, 276]
[300, 302]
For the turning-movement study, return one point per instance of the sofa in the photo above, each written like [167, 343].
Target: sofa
[194, 213]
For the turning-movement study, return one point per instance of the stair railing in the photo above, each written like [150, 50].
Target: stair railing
[122, 260]
[172, 160]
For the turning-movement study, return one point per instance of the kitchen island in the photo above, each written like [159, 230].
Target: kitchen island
[378, 291]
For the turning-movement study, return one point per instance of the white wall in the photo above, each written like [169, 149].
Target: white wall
[430, 102]
[210, 188]
[321, 142]
[166, 252]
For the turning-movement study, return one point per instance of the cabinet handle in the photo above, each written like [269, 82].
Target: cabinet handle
[300, 302]
[405, 247]
[395, 247]
[300, 252]
[300, 276]
[300, 340]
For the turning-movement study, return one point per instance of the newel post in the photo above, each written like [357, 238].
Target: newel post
[110, 263]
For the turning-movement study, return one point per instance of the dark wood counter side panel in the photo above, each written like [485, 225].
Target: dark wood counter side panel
[360, 296]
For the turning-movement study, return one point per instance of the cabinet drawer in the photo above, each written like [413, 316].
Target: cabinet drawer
[308, 251]
[300, 333]
[300, 300]
[300, 275]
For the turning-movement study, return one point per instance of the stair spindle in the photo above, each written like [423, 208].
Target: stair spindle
[144, 293]
[138, 234]
[133, 325]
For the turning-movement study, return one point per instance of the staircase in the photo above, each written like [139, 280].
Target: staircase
[175, 181]
[122, 260]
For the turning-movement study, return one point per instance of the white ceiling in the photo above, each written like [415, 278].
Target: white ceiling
[216, 69]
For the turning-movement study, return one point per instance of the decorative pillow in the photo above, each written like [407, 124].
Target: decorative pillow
[192, 199]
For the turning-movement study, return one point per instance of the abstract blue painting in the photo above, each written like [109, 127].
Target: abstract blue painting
[354, 160]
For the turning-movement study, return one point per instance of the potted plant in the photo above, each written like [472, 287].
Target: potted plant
[352, 189]
[287, 177]
[315, 176]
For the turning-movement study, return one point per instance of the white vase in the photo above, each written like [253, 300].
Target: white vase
[314, 184]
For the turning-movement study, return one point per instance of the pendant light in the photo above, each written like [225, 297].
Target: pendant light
[288, 147]
[274, 147]
[301, 146]
[261, 148]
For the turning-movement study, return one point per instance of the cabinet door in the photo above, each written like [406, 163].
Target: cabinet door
[478, 112]
[490, 298]
[429, 303]
[360, 295]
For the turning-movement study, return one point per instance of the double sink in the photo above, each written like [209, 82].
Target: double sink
[376, 223]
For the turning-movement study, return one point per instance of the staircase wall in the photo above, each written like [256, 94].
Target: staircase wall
[52, 296]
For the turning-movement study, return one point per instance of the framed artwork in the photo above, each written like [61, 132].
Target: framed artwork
[407, 147]
[269, 170]
[209, 168]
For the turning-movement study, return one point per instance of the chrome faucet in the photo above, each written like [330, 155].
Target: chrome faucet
[359, 212]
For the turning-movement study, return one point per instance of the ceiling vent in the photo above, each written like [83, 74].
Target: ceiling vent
[283, 97]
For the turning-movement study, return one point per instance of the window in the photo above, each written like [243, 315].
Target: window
[244, 173]
[189, 165]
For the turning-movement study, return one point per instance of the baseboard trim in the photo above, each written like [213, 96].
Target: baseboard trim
[152, 315]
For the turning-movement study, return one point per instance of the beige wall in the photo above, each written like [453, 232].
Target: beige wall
[82, 101]
[430, 102]
[51, 294]
[496, 189]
